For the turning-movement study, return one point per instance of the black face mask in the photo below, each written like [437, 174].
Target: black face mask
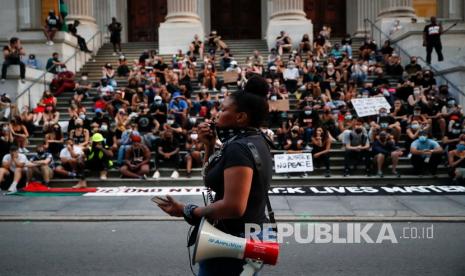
[225, 133]
[358, 130]
[40, 152]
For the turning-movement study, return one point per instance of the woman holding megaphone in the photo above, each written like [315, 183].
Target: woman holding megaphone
[239, 173]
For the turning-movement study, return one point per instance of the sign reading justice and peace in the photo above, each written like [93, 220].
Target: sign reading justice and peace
[301, 162]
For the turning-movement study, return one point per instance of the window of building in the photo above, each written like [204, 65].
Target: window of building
[29, 14]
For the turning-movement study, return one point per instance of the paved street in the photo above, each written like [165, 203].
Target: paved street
[158, 248]
[289, 207]
[91, 235]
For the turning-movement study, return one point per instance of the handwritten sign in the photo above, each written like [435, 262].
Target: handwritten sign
[279, 105]
[369, 106]
[230, 77]
[300, 162]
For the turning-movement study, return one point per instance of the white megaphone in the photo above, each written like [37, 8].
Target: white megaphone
[213, 243]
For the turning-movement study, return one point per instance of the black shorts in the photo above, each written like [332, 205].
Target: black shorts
[115, 38]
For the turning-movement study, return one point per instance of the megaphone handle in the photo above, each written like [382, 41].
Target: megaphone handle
[251, 267]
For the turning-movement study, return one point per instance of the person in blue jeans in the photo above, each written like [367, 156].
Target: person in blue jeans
[126, 142]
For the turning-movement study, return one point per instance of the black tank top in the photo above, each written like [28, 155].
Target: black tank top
[79, 139]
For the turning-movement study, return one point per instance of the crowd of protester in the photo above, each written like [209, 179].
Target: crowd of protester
[151, 123]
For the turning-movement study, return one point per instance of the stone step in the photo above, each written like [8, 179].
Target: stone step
[277, 181]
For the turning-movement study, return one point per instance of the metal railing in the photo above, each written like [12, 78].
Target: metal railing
[43, 76]
[402, 51]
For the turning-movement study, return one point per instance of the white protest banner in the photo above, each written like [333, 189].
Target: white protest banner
[369, 106]
[299, 162]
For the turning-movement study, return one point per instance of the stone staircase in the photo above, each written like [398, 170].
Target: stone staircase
[241, 50]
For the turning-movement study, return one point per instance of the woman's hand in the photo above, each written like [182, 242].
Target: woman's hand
[172, 207]
[206, 134]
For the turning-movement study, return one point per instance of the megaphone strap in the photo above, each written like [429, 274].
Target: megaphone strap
[258, 165]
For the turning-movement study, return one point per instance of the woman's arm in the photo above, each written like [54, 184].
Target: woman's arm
[237, 184]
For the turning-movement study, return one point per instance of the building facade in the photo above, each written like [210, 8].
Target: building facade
[233, 19]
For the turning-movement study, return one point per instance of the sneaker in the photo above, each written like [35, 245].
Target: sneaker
[37, 124]
[189, 174]
[143, 177]
[215, 90]
[175, 175]
[114, 54]
[51, 43]
[23, 81]
[12, 189]
[156, 175]
[103, 176]
[396, 173]
[380, 174]
[2, 81]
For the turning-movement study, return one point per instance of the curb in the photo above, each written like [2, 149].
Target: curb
[457, 219]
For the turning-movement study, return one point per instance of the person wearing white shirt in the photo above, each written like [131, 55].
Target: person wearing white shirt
[13, 163]
[72, 160]
[291, 77]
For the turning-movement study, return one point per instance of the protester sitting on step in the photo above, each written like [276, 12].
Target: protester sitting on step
[54, 139]
[12, 56]
[51, 116]
[14, 167]
[63, 82]
[283, 43]
[47, 100]
[137, 160]
[72, 160]
[195, 151]
[457, 161]
[41, 165]
[321, 146]
[20, 134]
[79, 134]
[196, 47]
[52, 26]
[82, 88]
[98, 159]
[385, 146]
[54, 64]
[167, 152]
[72, 28]
[426, 154]
[357, 147]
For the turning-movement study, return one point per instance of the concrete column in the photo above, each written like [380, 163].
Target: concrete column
[358, 11]
[397, 8]
[393, 11]
[82, 10]
[182, 23]
[288, 9]
[288, 16]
